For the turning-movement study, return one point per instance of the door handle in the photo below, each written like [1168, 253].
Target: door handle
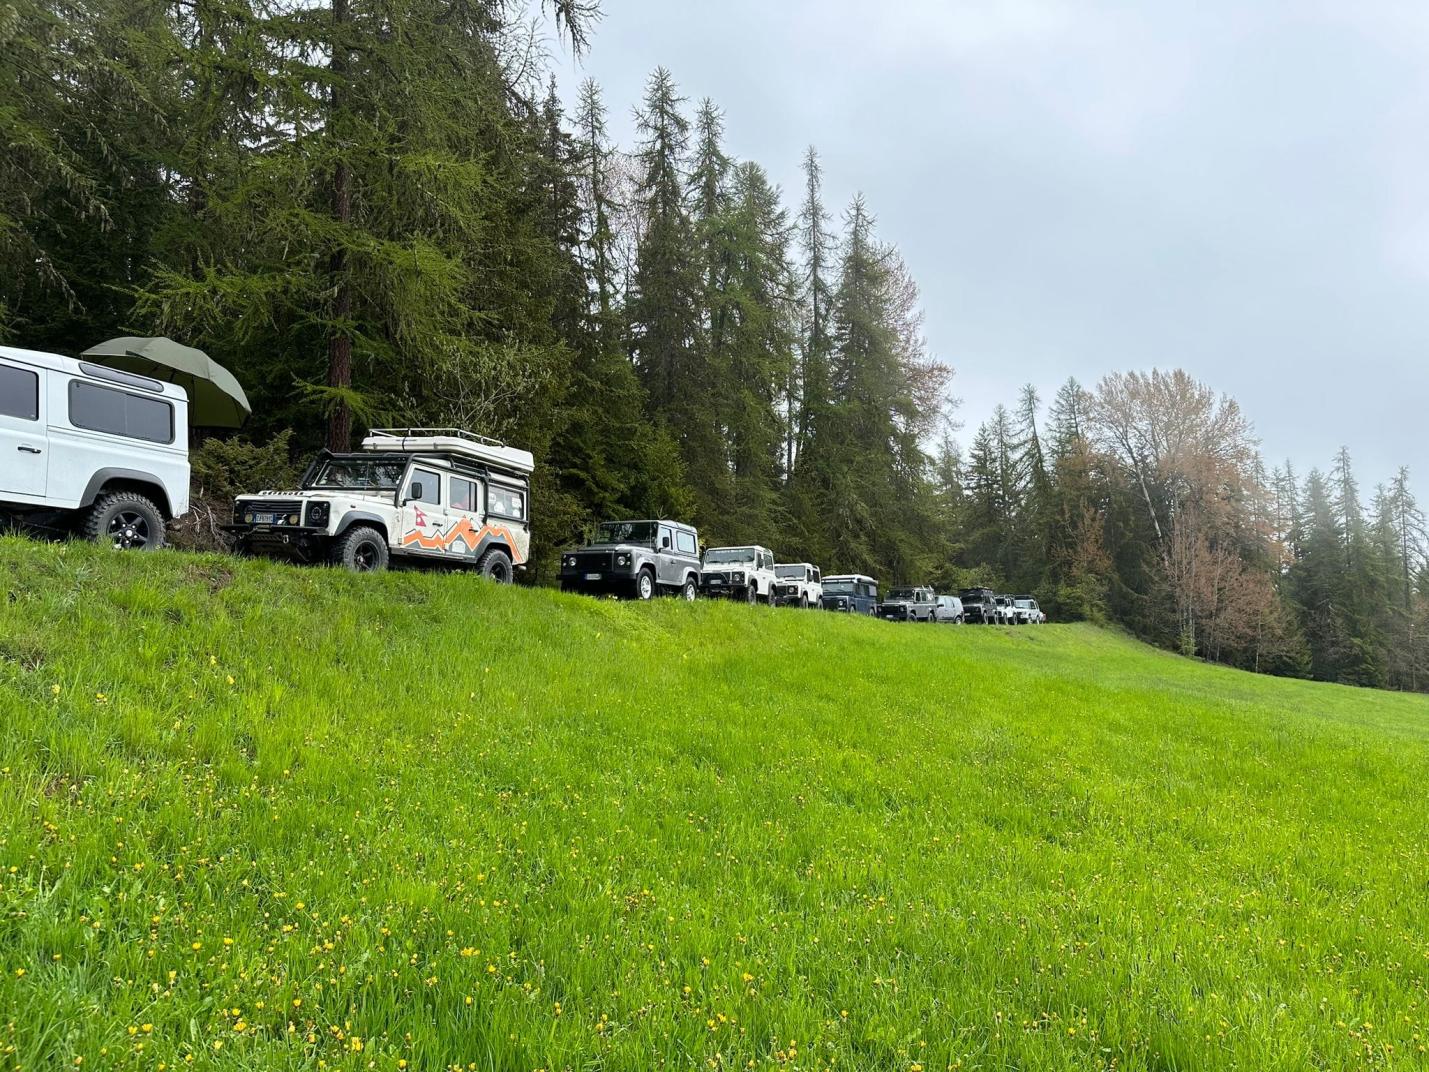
[31, 450]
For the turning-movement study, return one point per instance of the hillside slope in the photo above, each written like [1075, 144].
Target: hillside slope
[254, 816]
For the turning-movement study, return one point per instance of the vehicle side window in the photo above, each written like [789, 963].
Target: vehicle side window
[102, 409]
[506, 502]
[685, 543]
[463, 494]
[766, 561]
[431, 487]
[817, 578]
[19, 393]
[666, 539]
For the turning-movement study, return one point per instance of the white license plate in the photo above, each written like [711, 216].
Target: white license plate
[268, 519]
[715, 580]
[592, 576]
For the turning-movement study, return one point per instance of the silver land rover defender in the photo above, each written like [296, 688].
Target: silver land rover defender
[636, 559]
[431, 496]
[916, 603]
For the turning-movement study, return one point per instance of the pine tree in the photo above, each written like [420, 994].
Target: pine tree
[348, 203]
[84, 95]
[816, 302]
[663, 310]
[753, 307]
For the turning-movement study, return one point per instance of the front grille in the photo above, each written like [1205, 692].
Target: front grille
[261, 512]
[596, 561]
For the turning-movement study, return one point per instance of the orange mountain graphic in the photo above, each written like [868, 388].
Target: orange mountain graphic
[464, 531]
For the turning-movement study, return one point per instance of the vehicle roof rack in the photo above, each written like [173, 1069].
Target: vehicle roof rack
[456, 441]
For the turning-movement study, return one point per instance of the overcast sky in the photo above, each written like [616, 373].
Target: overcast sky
[1239, 189]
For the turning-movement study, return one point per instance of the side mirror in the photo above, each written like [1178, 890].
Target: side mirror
[664, 543]
[414, 491]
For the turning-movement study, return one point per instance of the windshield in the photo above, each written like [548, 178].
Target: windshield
[909, 595]
[795, 573]
[368, 474]
[838, 588]
[729, 554]
[642, 532]
[1025, 604]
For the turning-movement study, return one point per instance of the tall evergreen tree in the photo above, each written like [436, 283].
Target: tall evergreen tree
[664, 304]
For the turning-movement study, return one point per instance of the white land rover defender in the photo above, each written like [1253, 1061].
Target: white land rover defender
[436, 496]
[87, 446]
[798, 584]
[745, 573]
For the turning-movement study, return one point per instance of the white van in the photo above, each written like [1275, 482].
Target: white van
[102, 449]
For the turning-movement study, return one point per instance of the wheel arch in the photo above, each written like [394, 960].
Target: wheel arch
[107, 480]
[363, 517]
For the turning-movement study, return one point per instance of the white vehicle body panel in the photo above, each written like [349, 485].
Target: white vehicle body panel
[48, 461]
[463, 510]
[808, 585]
[758, 567]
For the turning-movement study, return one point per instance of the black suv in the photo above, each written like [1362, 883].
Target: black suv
[979, 606]
[635, 558]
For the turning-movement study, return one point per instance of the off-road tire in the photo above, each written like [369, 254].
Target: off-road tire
[645, 585]
[361, 549]
[751, 594]
[126, 520]
[495, 565]
[689, 591]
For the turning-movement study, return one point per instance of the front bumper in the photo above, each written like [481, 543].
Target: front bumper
[602, 582]
[715, 585]
[302, 541]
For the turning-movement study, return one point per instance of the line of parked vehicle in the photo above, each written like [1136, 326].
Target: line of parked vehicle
[104, 452]
[641, 559]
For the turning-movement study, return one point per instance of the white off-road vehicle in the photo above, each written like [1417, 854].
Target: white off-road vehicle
[798, 584]
[1025, 611]
[89, 447]
[745, 573]
[434, 496]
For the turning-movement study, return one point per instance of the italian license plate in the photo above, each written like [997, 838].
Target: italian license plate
[715, 581]
[592, 576]
[267, 519]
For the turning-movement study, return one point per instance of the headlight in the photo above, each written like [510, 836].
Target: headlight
[737, 576]
[570, 562]
[319, 512]
[622, 560]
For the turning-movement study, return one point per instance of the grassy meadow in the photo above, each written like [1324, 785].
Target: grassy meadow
[261, 817]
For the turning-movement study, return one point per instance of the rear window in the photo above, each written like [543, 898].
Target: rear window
[685, 542]
[103, 409]
[19, 393]
[505, 502]
[463, 494]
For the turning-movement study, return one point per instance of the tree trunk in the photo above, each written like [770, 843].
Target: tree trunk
[339, 369]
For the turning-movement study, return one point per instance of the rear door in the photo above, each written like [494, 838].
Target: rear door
[687, 553]
[464, 515]
[24, 445]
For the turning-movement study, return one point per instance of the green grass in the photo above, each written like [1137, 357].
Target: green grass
[254, 816]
